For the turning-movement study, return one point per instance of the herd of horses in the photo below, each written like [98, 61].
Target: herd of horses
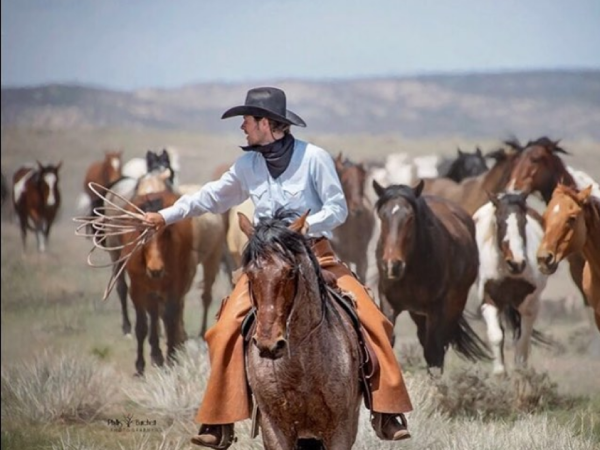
[436, 238]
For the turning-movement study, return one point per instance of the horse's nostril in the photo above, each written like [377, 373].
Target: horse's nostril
[280, 344]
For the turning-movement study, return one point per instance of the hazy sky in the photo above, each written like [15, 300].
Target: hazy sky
[129, 44]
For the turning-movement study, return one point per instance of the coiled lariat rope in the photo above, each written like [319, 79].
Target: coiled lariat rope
[113, 220]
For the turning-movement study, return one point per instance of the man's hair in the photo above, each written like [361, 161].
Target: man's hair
[275, 125]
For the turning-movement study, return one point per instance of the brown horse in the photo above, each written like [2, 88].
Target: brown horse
[304, 362]
[540, 169]
[351, 239]
[470, 193]
[573, 225]
[427, 260]
[161, 273]
[36, 200]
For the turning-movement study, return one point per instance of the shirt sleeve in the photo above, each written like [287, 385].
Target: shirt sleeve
[328, 187]
[215, 197]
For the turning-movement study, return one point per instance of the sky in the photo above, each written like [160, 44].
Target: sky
[134, 44]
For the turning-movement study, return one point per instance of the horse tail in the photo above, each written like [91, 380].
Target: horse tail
[513, 317]
[467, 343]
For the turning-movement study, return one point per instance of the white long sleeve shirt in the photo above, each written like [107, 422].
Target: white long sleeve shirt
[309, 182]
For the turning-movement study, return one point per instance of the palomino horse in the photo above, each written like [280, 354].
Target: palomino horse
[540, 169]
[161, 273]
[304, 362]
[508, 235]
[470, 193]
[573, 225]
[351, 239]
[427, 260]
[36, 200]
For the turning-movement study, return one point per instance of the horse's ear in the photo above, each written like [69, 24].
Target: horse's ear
[338, 161]
[299, 225]
[40, 165]
[379, 189]
[59, 165]
[245, 225]
[459, 151]
[584, 195]
[478, 152]
[493, 198]
[418, 189]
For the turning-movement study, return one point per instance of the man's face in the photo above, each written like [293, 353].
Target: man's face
[257, 132]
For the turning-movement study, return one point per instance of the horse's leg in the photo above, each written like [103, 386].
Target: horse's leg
[436, 336]
[41, 237]
[210, 269]
[421, 323]
[495, 333]
[122, 292]
[529, 311]
[173, 320]
[23, 226]
[273, 437]
[141, 331]
[153, 339]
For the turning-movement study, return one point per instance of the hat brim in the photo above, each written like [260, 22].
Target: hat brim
[243, 110]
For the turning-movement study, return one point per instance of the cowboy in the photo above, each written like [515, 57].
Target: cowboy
[277, 170]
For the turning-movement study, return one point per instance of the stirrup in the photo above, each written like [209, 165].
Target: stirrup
[379, 420]
[227, 434]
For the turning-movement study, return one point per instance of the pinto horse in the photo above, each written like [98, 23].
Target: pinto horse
[36, 200]
[427, 261]
[304, 360]
[351, 239]
[508, 235]
[161, 273]
[540, 169]
[573, 225]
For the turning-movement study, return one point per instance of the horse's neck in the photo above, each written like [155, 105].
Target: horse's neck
[497, 177]
[560, 173]
[591, 248]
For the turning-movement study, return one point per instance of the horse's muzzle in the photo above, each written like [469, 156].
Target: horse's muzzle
[394, 269]
[270, 350]
[514, 267]
[547, 263]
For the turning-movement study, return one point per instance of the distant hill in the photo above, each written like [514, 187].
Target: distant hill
[560, 104]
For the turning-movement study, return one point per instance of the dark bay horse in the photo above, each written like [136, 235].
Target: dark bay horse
[161, 273]
[304, 361]
[573, 226]
[36, 200]
[540, 169]
[509, 284]
[466, 165]
[351, 239]
[427, 261]
[470, 192]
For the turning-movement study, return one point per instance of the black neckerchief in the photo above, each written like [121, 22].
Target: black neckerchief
[277, 154]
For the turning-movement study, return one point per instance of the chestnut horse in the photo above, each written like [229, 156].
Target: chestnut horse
[427, 261]
[573, 225]
[508, 235]
[36, 200]
[540, 169]
[161, 273]
[303, 364]
[351, 239]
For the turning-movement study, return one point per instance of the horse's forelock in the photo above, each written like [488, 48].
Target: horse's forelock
[397, 191]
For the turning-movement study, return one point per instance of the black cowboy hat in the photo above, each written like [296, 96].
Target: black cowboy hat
[266, 102]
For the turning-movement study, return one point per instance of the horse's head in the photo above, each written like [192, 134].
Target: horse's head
[275, 260]
[565, 230]
[539, 168]
[111, 167]
[48, 178]
[160, 163]
[352, 177]
[511, 221]
[467, 165]
[397, 209]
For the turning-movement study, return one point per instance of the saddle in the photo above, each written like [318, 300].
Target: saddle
[369, 364]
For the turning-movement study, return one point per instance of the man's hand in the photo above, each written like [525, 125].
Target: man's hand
[155, 219]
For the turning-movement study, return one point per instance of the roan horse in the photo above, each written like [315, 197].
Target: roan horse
[303, 364]
[351, 239]
[508, 235]
[427, 261]
[573, 225]
[36, 200]
[161, 273]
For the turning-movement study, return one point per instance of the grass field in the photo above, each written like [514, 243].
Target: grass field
[67, 372]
